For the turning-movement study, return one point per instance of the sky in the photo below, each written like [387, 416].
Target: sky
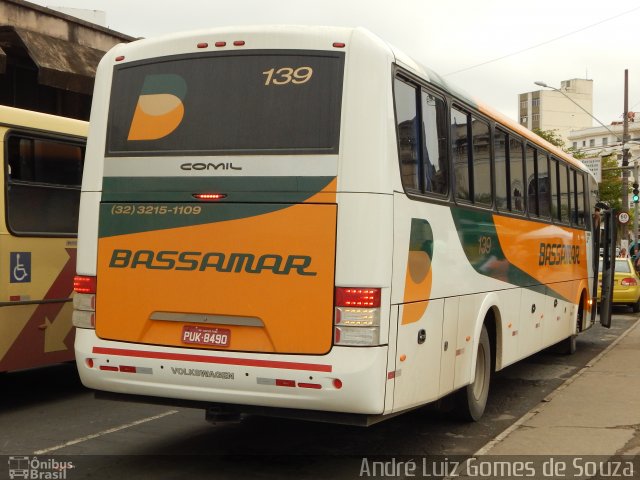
[492, 49]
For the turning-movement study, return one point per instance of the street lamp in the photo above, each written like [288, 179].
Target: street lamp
[625, 161]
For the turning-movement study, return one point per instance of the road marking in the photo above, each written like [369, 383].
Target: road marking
[104, 432]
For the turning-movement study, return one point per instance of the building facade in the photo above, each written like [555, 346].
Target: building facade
[551, 110]
[598, 142]
[48, 59]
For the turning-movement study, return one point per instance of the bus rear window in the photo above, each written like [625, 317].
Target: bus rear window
[272, 102]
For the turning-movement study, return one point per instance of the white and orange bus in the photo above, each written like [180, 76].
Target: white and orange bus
[42, 157]
[303, 221]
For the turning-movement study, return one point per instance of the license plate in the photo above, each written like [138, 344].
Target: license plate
[214, 337]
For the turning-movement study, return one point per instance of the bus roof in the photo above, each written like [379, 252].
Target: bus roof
[17, 117]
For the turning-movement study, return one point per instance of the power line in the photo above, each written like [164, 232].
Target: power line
[541, 44]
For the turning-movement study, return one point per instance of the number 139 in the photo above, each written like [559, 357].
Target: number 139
[285, 75]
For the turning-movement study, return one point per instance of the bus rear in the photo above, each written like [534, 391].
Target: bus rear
[213, 221]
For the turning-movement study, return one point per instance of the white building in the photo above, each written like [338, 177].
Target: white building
[551, 110]
[601, 142]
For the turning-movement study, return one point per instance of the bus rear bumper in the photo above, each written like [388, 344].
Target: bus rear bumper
[346, 380]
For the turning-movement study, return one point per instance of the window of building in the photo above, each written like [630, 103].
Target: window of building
[43, 185]
[535, 117]
[535, 102]
[575, 144]
[584, 143]
[592, 142]
[523, 120]
[605, 141]
[523, 106]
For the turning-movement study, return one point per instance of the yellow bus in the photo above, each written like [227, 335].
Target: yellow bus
[42, 160]
[303, 221]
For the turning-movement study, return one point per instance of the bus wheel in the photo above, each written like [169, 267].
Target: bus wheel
[568, 346]
[472, 399]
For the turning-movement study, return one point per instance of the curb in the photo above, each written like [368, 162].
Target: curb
[538, 408]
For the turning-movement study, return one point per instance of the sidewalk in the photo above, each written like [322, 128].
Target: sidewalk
[596, 412]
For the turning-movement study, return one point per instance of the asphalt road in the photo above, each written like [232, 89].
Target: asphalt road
[47, 413]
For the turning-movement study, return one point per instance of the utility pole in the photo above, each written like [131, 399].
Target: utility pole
[625, 156]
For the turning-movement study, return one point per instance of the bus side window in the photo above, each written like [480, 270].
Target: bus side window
[564, 193]
[516, 170]
[481, 166]
[501, 169]
[555, 191]
[580, 192]
[532, 182]
[407, 131]
[542, 172]
[434, 131]
[43, 187]
[460, 153]
[573, 196]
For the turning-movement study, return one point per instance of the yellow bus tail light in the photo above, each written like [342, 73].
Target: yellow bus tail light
[84, 302]
[357, 316]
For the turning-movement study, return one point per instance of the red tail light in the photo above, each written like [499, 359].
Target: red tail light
[209, 196]
[628, 282]
[84, 284]
[358, 297]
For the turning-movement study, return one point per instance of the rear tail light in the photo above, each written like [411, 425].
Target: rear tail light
[628, 282]
[84, 301]
[357, 316]
[84, 284]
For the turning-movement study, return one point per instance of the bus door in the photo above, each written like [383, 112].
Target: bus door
[608, 266]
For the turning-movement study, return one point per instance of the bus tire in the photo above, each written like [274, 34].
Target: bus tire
[472, 399]
[568, 346]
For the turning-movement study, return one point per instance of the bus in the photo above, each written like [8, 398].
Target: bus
[42, 161]
[304, 222]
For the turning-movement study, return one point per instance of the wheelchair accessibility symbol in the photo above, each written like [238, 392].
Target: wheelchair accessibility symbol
[20, 267]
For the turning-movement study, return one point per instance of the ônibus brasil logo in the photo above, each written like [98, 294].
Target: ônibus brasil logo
[37, 469]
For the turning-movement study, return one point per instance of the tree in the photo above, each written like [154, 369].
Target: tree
[552, 137]
[611, 185]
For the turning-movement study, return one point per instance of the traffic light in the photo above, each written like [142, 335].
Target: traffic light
[636, 192]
